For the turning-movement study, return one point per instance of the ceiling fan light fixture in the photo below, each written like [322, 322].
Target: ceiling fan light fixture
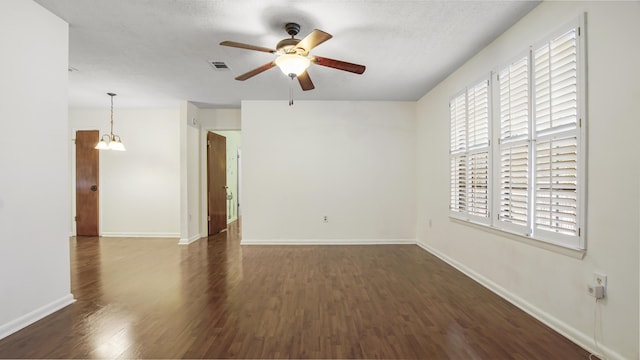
[292, 64]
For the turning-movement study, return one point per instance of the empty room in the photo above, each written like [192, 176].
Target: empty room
[319, 179]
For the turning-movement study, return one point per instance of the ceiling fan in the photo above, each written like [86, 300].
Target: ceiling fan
[293, 56]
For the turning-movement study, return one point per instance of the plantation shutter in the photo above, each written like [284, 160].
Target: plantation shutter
[458, 145]
[514, 101]
[477, 179]
[478, 115]
[514, 146]
[478, 150]
[533, 109]
[557, 135]
[556, 185]
[514, 184]
[458, 119]
[458, 182]
[556, 91]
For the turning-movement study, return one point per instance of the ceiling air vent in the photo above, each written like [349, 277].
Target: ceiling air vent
[219, 66]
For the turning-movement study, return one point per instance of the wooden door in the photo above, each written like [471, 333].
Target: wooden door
[217, 182]
[87, 162]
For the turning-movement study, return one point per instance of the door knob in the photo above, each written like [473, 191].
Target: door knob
[93, 188]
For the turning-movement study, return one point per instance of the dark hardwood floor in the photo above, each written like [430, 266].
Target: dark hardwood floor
[150, 298]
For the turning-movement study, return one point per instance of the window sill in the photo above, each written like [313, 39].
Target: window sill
[574, 253]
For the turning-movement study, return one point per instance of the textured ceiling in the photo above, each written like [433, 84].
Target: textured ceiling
[155, 53]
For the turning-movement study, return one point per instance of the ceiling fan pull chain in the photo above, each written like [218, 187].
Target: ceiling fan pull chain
[291, 91]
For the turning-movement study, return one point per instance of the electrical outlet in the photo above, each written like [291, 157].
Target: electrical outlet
[600, 279]
[325, 219]
[598, 287]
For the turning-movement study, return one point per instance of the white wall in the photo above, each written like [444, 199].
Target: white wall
[220, 119]
[189, 173]
[351, 161]
[193, 139]
[140, 188]
[547, 283]
[34, 192]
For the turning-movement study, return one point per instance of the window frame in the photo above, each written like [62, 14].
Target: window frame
[467, 152]
[455, 155]
[579, 241]
[522, 140]
[575, 242]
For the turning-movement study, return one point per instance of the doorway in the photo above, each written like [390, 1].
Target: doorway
[87, 191]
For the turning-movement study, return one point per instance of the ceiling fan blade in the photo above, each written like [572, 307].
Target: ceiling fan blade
[247, 46]
[305, 81]
[340, 65]
[314, 39]
[256, 71]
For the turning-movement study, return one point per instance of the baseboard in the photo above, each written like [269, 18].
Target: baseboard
[140, 234]
[189, 240]
[581, 339]
[37, 314]
[327, 242]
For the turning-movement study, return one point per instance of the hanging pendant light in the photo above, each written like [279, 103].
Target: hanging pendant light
[110, 141]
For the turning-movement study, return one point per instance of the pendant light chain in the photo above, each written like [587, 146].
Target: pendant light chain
[110, 141]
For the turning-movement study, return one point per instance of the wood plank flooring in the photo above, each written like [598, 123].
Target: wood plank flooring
[150, 298]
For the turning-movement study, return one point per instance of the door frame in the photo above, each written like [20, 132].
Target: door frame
[72, 182]
[204, 224]
[239, 182]
[217, 215]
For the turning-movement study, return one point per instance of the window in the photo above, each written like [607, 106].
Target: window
[458, 115]
[539, 162]
[513, 142]
[478, 149]
[469, 152]
[556, 135]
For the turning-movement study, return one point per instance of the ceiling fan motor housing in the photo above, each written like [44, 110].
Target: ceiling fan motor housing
[292, 29]
[289, 46]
